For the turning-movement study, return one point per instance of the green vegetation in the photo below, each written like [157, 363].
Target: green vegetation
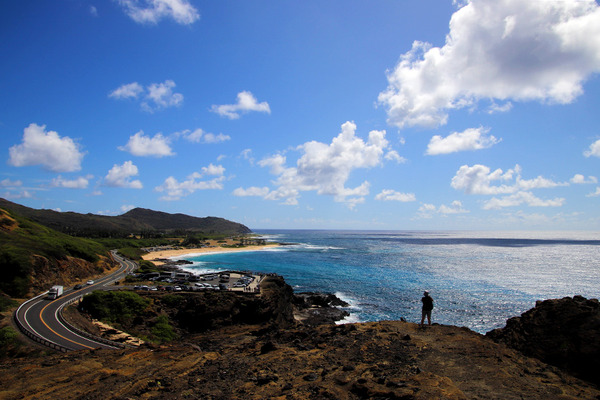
[172, 300]
[21, 239]
[120, 307]
[162, 330]
[132, 253]
[6, 303]
[9, 342]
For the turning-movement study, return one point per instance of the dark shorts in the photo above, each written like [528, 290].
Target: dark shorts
[426, 313]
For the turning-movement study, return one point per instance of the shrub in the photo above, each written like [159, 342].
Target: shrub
[162, 330]
[114, 307]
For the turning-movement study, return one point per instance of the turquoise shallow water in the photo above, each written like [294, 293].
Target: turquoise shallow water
[477, 279]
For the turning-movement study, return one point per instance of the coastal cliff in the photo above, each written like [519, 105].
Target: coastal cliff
[269, 355]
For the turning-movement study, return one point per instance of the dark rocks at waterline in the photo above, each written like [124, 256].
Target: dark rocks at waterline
[561, 332]
[311, 299]
[319, 308]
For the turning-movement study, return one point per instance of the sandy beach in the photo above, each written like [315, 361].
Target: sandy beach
[156, 256]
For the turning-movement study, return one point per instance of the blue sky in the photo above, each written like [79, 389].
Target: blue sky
[388, 114]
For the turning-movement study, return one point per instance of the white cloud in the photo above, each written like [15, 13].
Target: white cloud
[155, 97]
[580, 179]
[246, 102]
[78, 183]
[251, 191]
[126, 207]
[497, 50]
[594, 194]
[54, 153]
[594, 149]
[143, 146]
[175, 190]
[160, 95]
[470, 139]
[152, 11]
[25, 194]
[199, 136]
[8, 183]
[127, 91]
[392, 195]
[120, 176]
[478, 180]
[325, 168]
[393, 155]
[454, 208]
[520, 198]
[427, 210]
[93, 11]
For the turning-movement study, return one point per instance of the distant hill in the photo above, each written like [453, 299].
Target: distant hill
[136, 221]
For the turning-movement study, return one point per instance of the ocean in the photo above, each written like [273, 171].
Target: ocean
[477, 279]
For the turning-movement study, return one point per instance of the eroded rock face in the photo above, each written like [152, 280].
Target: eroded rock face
[562, 332]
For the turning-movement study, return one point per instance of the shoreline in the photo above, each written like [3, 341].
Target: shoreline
[158, 256]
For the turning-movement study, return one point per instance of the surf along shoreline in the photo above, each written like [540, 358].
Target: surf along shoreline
[160, 255]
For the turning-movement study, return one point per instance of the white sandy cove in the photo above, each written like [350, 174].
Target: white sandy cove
[152, 256]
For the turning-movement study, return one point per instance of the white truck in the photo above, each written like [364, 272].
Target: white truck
[55, 292]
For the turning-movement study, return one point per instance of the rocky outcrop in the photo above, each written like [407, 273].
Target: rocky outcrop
[562, 332]
[319, 308]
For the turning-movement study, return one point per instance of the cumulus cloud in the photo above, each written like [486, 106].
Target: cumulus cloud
[127, 91]
[48, 149]
[160, 95]
[392, 195]
[580, 179]
[325, 168]
[594, 149]
[77, 183]
[594, 194]
[154, 97]
[175, 190]
[497, 50]
[428, 210]
[152, 11]
[393, 155]
[120, 176]
[143, 146]
[520, 198]
[199, 136]
[479, 179]
[252, 191]
[246, 102]
[470, 139]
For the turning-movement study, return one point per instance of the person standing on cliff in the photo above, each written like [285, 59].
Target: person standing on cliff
[427, 301]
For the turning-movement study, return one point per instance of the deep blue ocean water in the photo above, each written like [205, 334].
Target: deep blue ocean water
[477, 279]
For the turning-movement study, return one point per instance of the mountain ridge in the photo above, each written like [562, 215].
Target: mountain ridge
[136, 221]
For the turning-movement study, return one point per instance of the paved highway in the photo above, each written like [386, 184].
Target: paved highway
[40, 316]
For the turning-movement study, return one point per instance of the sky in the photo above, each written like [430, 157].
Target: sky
[375, 115]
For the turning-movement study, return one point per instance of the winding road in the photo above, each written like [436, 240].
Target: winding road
[40, 320]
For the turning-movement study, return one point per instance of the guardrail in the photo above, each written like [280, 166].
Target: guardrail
[33, 336]
[83, 333]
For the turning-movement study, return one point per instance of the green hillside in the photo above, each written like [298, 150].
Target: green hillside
[25, 244]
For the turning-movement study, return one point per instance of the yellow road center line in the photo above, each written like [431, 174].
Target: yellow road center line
[56, 333]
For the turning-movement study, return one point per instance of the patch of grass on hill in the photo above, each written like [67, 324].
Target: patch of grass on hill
[21, 239]
[120, 307]
[162, 330]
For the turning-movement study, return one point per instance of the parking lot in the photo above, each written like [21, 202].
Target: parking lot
[225, 281]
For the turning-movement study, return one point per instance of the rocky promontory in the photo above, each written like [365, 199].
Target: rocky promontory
[561, 332]
[268, 354]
